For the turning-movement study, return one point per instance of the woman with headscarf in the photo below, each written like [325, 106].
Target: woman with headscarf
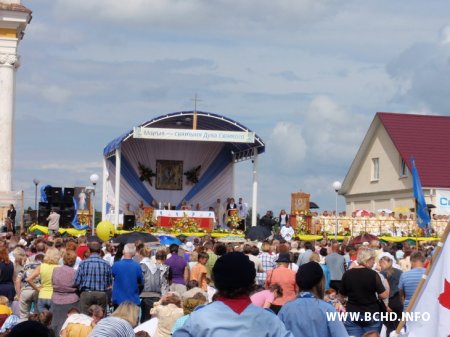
[392, 274]
[307, 315]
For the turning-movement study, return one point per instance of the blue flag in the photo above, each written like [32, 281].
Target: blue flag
[422, 215]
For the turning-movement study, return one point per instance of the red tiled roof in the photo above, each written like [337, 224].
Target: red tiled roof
[427, 139]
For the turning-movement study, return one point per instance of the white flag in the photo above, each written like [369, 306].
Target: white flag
[432, 308]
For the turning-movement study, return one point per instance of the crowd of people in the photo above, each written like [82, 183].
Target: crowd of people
[56, 286]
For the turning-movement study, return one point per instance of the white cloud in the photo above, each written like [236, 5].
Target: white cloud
[49, 92]
[286, 146]
[243, 17]
[422, 75]
[332, 133]
[72, 166]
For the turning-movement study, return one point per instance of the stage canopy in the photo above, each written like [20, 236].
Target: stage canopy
[182, 156]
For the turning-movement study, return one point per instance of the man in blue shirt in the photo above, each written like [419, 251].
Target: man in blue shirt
[127, 277]
[93, 279]
[410, 279]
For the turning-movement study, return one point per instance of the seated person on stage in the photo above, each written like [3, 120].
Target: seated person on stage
[185, 206]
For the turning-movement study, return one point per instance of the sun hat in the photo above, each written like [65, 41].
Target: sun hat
[188, 246]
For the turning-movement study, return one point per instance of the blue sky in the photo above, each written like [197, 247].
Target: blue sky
[306, 75]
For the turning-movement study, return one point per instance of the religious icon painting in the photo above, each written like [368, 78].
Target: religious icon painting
[169, 175]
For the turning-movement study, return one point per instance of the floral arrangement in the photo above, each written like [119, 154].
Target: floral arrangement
[302, 226]
[192, 175]
[146, 173]
[184, 225]
[149, 219]
[233, 220]
[228, 231]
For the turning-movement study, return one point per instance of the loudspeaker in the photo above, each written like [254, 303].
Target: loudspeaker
[48, 191]
[68, 199]
[55, 199]
[68, 207]
[55, 205]
[56, 191]
[44, 213]
[42, 217]
[128, 222]
[44, 206]
[69, 191]
[66, 218]
[56, 194]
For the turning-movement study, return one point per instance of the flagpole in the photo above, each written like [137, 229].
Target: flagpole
[434, 260]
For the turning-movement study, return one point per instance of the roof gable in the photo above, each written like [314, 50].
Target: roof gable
[424, 137]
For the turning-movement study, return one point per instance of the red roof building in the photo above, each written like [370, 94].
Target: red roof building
[379, 176]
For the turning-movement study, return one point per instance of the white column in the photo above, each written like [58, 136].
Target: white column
[255, 187]
[233, 176]
[104, 189]
[8, 64]
[117, 188]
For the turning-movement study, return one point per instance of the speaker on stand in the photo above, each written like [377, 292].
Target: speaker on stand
[128, 222]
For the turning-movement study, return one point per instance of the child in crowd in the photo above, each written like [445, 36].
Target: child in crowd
[199, 271]
[264, 298]
[331, 297]
[5, 310]
[4, 306]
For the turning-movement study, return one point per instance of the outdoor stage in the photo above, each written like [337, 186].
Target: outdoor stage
[180, 158]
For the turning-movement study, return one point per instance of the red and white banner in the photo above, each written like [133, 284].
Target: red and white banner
[430, 316]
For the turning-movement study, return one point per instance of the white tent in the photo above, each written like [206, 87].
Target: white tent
[137, 163]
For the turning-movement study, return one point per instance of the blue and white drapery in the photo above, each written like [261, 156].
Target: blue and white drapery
[215, 179]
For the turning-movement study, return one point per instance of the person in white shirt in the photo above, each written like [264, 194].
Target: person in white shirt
[287, 232]
[243, 211]
[283, 218]
[53, 222]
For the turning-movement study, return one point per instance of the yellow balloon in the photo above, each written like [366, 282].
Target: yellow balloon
[105, 230]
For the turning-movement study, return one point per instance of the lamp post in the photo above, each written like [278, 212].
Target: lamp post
[337, 186]
[36, 183]
[93, 178]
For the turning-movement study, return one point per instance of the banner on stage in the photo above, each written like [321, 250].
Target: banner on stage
[443, 202]
[194, 135]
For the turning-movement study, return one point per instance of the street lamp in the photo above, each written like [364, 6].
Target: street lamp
[93, 178]
[337, 186]
[36, 183]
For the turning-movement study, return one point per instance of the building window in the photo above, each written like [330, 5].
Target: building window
[375, 169]
[403, 169]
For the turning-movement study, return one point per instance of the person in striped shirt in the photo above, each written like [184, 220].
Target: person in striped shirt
[410, 279]
[120, 323]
